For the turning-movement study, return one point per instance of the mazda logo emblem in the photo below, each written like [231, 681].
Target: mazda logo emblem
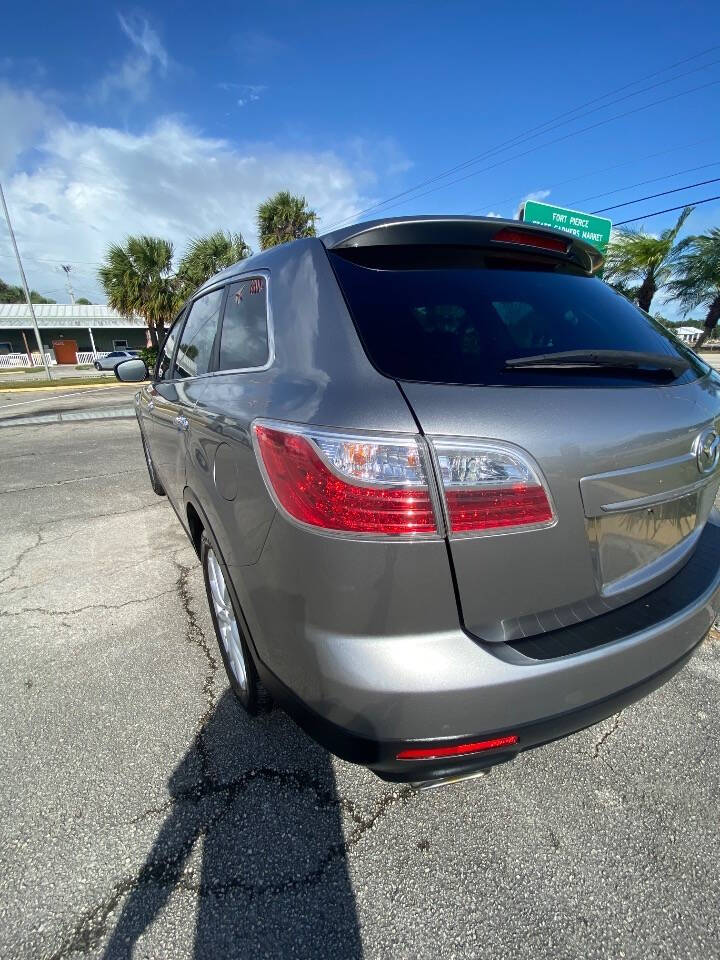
[707, 450]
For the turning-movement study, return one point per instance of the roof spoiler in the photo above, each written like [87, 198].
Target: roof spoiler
[490, 232]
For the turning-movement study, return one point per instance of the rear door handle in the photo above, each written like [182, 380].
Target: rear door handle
[181, 422]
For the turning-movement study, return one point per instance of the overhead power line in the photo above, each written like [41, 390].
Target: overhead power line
[548, 143]
[641, 183]
[652, 196]
[567, 136]
[594, 173]
[91, 263]
[546, 127]
[656, 213]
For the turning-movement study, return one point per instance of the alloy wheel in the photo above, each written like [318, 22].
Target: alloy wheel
[226, 621]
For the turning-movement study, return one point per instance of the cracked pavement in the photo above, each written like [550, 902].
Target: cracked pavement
[143, 815]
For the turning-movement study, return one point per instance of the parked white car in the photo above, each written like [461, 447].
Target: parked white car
[113, 359]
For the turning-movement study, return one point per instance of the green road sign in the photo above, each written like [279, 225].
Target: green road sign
[584, 226]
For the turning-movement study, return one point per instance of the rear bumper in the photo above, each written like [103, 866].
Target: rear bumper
[381, 755]
[368, 698]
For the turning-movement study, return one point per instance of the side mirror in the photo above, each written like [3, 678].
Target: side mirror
[131, 371]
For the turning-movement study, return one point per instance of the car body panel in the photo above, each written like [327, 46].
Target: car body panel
[399, 669]
[312, 334]
[169, 406]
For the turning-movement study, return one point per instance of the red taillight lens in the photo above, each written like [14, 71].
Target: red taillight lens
[372, 498]
[461, 750]
[517, 505]
[528, 238]
[490, 487]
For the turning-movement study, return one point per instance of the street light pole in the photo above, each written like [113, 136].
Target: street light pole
[25, 286]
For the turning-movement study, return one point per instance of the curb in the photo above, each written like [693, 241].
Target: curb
[65, 386]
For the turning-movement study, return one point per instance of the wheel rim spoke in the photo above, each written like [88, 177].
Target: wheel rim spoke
[226, 621]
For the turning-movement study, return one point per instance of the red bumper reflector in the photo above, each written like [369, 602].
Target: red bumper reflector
[436, 753]
[531, 239]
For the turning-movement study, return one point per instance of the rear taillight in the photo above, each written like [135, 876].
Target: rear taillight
[489, 487]
[347, 483]
[380, 485]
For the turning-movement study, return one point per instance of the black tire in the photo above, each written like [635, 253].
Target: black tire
[252, 696]
[158, 488]
[97, 365]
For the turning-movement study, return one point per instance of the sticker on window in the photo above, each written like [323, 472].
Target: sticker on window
[256, 286]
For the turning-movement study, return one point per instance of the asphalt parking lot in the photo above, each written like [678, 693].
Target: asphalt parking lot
[141, 814]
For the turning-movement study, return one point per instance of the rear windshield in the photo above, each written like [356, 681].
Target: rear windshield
[459, 318]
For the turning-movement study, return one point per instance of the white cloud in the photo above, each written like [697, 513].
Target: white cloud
[244, 92]
[94, 185]
[533, 195]
[492, 213]
[133, 76]
[23, 117]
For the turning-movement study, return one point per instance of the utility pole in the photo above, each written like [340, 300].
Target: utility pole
[67, 268]
[25, 286]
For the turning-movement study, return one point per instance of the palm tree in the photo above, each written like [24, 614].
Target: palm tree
[637, 256]
[697, 278]
[284, 217]
[137, 278]
[206, 255]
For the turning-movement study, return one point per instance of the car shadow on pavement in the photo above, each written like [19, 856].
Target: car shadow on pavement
[252, 834]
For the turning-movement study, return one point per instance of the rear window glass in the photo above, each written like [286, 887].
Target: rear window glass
[460, 324]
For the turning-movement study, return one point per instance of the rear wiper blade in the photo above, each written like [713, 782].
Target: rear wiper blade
[632, 359]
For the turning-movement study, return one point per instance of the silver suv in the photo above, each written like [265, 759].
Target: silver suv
[452, 494]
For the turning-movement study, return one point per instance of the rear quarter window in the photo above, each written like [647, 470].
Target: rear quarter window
[460, 324]
[244, 334]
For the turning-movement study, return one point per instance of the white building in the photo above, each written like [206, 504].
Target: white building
[687, 334]
[94, 328]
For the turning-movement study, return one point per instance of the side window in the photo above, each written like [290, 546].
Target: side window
[244, 337]
[166, 352]
[198, 336]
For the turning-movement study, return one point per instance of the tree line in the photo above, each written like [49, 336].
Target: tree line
[138, 275]
[9, 293]
[641, 265]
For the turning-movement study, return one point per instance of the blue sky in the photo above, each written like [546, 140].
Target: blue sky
[179, 118]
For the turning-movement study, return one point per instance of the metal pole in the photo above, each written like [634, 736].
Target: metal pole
[25, 286]
[92, 343]
[27, 349]
[67, 268]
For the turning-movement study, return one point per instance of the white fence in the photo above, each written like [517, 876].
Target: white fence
[22, 360]
[89, 357]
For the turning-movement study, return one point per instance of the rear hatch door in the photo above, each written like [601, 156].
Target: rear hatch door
[627, 451]
[628, 498]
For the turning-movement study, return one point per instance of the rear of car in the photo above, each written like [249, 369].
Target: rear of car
[458, 490]
[538, 553]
